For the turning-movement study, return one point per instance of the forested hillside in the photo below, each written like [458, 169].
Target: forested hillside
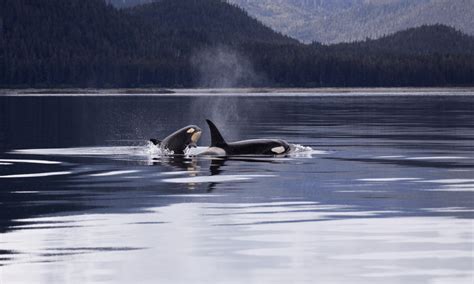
[210, 21]
[207, 43]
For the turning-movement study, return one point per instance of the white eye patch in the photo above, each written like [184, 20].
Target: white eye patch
[191, 130]
[278, 150]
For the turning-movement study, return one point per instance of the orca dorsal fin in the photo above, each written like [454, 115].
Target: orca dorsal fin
[216, 138]
[155, 142]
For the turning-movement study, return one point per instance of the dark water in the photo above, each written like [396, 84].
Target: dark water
[385, 193]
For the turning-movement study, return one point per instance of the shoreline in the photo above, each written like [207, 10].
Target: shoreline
[240, 91]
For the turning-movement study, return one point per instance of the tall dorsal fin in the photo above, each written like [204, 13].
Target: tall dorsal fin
[216, 137]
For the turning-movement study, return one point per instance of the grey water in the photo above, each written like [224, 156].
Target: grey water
[381, 189]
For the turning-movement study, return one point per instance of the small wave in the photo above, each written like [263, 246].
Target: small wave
[449, 181]
[387, 179]
[114, 173]
[407, 255]
[437, 158]
[448, 209]
[452, 189]
[33, 175]
[42, 162]
[389, 157]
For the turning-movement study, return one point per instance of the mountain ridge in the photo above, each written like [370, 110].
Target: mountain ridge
[336, 21]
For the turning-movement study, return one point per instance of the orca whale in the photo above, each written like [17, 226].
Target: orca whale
[177, 142]
[246, 147]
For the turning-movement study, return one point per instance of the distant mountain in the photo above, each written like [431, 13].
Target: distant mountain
[435, 39]
[208, 43]
[332, 21]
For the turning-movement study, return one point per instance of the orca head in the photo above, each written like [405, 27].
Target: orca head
[181, 139]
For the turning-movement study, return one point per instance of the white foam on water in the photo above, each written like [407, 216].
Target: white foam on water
[219, 178]
[301, 151]
[152, 149]
[297, 148]
[42, 162]
[35, 175]
[388, 179]
[114, 173]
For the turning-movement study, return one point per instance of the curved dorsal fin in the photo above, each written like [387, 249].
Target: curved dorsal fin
[216, 137]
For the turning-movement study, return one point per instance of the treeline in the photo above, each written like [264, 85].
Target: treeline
[170, 43]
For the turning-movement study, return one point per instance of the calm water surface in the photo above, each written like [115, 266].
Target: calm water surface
[381, 190]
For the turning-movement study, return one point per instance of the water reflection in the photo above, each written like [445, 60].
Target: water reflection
[274, 241]
[386, 194]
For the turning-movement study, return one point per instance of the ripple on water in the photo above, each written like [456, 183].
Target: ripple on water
[388, 179]
[114, 173]
[35, 175]
[41, 162]
[451, 185]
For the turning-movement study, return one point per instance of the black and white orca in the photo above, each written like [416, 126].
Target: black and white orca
[246, 147]
[180, 140]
